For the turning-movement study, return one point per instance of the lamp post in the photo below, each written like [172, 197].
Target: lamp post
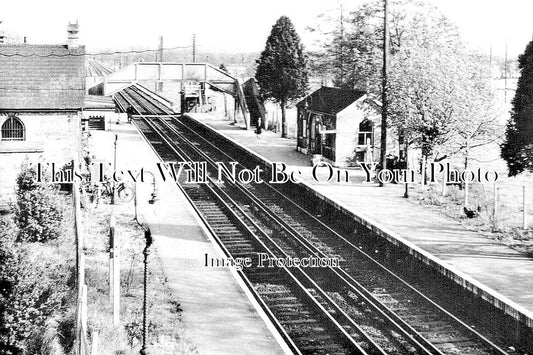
[148, 242]
[384, 88]
[146, 252]
[406, 158]
[113, 188]
[153, 198]
[406, 192]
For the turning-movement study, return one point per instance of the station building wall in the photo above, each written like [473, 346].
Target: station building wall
[348, 121]
[49, 137]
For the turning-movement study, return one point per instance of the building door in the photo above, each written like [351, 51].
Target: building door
[318, 126]
[365, 141]
[315, 138]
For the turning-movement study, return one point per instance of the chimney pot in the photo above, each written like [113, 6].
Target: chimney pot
[2, 33]
[73, 30]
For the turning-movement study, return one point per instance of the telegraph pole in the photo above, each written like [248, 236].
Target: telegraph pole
[194, 47]
[505, 72]
[160, 50]
[490, 59]
[341, 44]
[159, 59]
[383, 152]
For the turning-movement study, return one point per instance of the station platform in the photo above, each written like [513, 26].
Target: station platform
[484, 266]
[218, 315]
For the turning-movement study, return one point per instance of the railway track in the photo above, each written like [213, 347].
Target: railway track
[357, 306]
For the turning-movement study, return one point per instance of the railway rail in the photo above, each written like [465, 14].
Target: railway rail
[359, 306]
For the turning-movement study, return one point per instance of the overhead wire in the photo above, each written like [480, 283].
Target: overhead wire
[87, 54]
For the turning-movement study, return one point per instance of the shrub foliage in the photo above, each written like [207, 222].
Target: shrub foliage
[35, 278]
[39, 208]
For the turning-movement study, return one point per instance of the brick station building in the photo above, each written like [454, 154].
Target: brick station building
[42, 89]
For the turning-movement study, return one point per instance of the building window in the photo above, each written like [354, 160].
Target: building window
[329, 122]
[328, 149]
[12, 129]
[366, 133]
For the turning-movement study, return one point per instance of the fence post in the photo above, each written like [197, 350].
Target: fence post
[524, 205]
[79, 330]
[114, 270]
[84, 311]
[81, 309]
[494, 206]
[77, 230]
[81, 275]
[111, 257]
[466, 194]
[116, 283]
[82, 322]
[94, 343]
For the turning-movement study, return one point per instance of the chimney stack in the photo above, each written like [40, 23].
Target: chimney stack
[73, 30]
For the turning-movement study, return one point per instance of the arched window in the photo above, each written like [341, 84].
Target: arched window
[366, 136]
[13, 129]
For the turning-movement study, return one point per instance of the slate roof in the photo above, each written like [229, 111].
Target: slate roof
[330, 100]
[47, 77]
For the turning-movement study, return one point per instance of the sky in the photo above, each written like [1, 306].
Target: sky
[237, 25]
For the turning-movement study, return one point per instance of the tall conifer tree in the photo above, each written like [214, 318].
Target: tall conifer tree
[517, 149]
[282, 69]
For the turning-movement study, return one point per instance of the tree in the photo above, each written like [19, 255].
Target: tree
[441, 96]
[421, 99]
[345, 46]
[479, 127]
[331, 30]
[282, 68]
[517, 149]
[353, 48]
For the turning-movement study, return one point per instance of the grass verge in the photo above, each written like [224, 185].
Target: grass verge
[506, 227]
[166, 334]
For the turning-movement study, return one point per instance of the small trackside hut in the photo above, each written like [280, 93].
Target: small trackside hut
[339, 126]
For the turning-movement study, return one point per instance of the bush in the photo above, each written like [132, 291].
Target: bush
[9, 259]
[40, 292]
[35, 288]
[39, 211]
[27, 178]
[36, 279]
[66, 329]
[39, 214]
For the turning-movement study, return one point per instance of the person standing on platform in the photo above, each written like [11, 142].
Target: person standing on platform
[258, 129]
[130, 111]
